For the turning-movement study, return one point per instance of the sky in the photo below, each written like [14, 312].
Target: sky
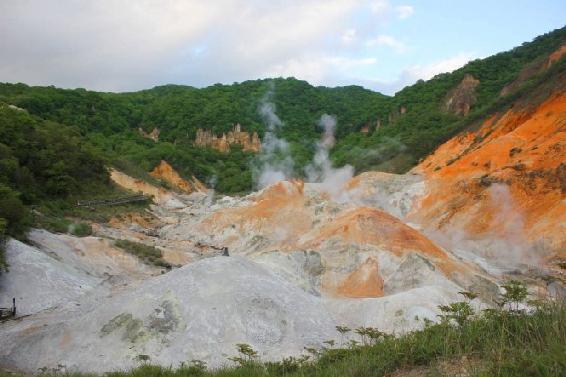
[383, 45]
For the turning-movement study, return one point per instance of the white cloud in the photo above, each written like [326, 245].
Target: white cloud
[428, 71]
[414, 73]
[349, 36]
[387, 40]
[318, 70]
[126, 45]
[379, 6]
[404, 11]
[134, 44]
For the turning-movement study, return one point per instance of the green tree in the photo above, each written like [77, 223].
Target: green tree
[515, 294]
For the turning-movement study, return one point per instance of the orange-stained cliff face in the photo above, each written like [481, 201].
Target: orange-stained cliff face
[532, 69]
[138, 185]
[507, 179]
[555, 56]
[165, 172]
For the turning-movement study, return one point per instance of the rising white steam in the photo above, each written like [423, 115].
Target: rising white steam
[332, 180]
[505, 248]
[510, 245]
[274, 163]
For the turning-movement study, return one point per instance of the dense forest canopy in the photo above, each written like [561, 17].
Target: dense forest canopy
[55, 143]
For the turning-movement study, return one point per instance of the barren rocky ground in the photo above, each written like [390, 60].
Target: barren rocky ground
[301, 262]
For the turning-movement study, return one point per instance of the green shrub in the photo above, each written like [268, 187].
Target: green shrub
[56, 224]
[80, 229]
[13, 211]
[148, 254]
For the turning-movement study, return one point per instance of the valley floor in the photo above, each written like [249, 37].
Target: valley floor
[302, 264]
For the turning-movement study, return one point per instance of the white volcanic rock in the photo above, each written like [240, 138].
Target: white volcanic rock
[302, 268]
[392, 193]
[199, 311]
[61, 268]
[39, 281]
[397, 313]
[92, 256]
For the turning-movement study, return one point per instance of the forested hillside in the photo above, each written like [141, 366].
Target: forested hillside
[111, 121]
[409, 125]
[42, 163]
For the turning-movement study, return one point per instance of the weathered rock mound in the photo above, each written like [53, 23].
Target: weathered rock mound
[328, 248]
[60, 269]
[197, 312]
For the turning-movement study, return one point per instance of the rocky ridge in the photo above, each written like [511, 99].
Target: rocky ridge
[249, 143]
[460, 99]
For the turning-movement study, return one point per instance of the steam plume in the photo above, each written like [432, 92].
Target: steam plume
[505, 248]
[320, 170]
[511, 246]
[274, 163]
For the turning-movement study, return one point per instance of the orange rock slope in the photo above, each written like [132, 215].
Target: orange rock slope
[278, 212]
[139, 185]
[165, 172]
[507, 179]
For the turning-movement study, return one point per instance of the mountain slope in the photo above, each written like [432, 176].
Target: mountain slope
[504, 179]
[400, 130]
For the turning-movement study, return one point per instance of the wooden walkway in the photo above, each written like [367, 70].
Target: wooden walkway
[112, 202]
